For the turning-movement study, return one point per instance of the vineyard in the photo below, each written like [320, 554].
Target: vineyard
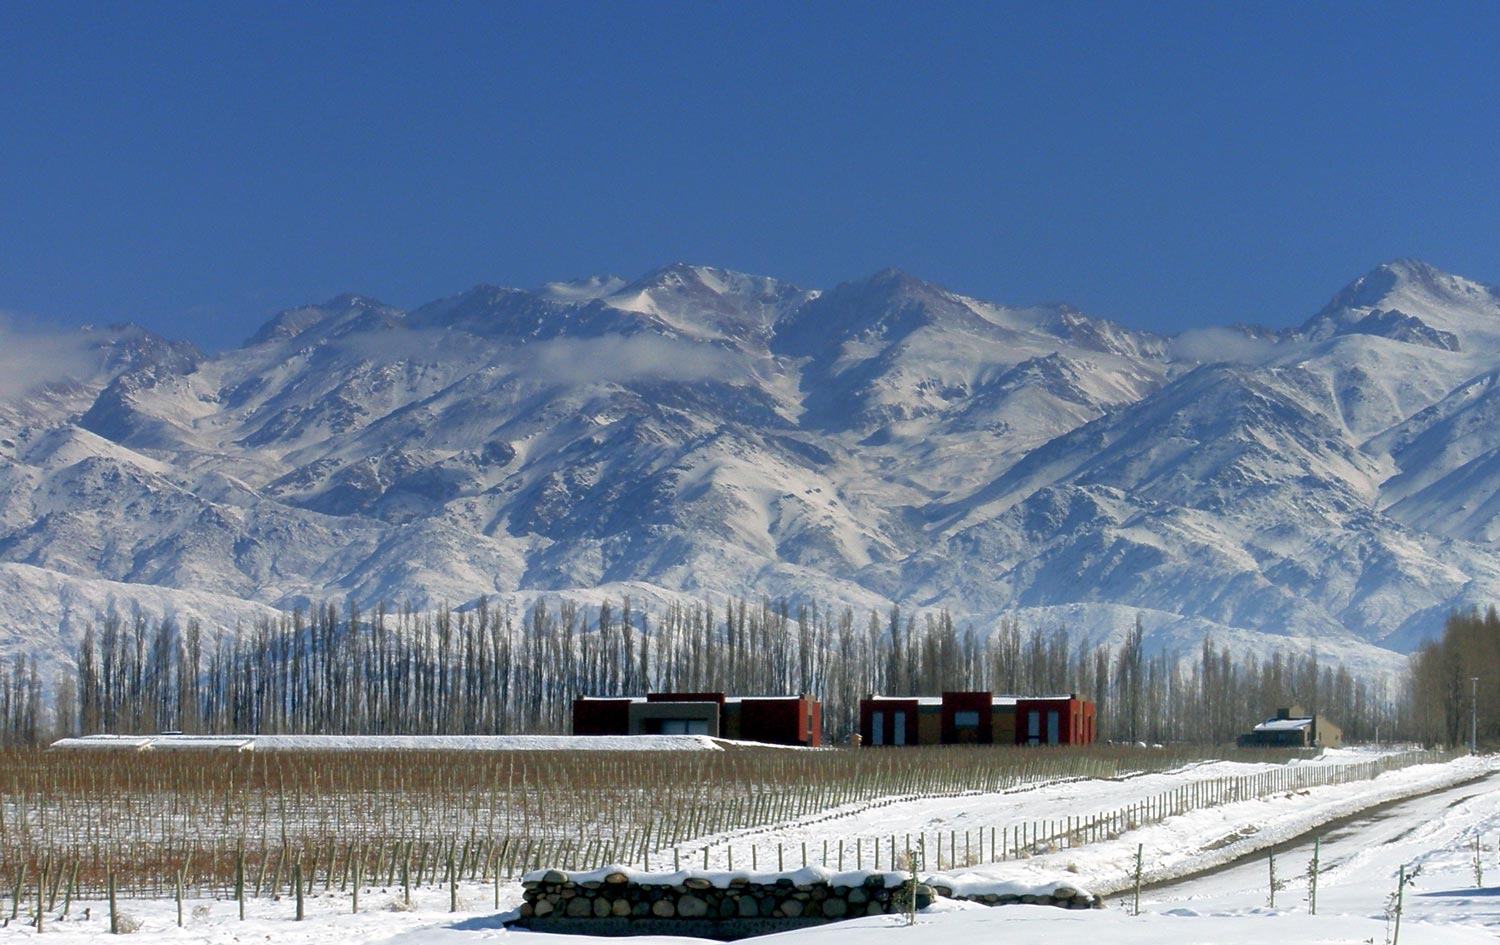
[234, 825]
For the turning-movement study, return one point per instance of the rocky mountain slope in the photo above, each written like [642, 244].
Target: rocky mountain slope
[704, 432]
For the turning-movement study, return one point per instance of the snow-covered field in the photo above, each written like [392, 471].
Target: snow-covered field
[390, 743]
[1432, 832]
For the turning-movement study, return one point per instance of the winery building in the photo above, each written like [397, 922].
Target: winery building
[1293, 727]
[976, 718]
[776, 720]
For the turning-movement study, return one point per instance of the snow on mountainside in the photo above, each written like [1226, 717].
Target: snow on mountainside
[699, 431]
[1466, 309]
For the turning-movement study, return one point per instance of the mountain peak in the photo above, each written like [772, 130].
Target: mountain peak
[1412, 289]
[678, 277]
[1370, 289]
[692, 277]
[894, 280]
[888, 306]
[292, 322]
[352, 300]
[706, 302]
[1408, 276]
[678, 269]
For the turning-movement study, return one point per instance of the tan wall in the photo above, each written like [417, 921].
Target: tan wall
[1326, 734]
[1005, 725]
[929, 725]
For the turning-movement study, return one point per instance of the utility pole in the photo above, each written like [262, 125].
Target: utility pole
[1473, 715]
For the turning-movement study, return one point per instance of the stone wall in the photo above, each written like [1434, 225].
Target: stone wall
[1064, 897]
[728, 906]
[720, 906]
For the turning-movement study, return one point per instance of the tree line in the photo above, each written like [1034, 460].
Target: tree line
[483, 670]
[1454, 681]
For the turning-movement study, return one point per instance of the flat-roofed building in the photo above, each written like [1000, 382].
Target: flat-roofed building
[976, 718]
[776, 720]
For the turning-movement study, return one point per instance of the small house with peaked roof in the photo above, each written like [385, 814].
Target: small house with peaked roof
[1293, 727]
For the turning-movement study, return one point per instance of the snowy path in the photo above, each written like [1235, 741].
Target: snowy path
[1359, 861]
[967, 824]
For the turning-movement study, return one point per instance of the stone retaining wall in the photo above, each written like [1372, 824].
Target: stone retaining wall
[733, 906]
[1064, 897]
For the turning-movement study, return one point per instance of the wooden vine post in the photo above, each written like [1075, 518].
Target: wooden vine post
[1140, 850]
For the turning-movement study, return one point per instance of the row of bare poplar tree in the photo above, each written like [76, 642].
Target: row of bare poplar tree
[1455, 681]
[488, 670]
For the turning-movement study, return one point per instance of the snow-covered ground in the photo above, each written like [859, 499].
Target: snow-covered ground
[169, 742]
[1446, 808]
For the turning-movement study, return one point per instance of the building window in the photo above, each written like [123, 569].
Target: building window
[900, 728]
[966, 720]
[877, 728]
[684, 726]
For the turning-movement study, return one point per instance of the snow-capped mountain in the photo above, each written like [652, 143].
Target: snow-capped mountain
[698, 431]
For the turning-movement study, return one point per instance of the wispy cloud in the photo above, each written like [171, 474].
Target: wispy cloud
[621, 359]
[33, 355]
[1225, 344]
[605, 359]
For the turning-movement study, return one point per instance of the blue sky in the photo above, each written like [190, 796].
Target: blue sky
[195, 167]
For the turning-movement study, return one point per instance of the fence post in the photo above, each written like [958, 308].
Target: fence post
[1400, 895]
[296, 881]
[68, 895]
[1312, 877]
[406, 875]
[452, 883]
[15, 897]
[1140, 850]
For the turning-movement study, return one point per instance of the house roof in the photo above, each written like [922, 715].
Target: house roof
[1283, 725]
[727, 699]
[994, 700]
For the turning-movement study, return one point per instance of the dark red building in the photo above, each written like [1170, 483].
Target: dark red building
[1054, 721]
[601, 716]
[776, 720]
[976, 718]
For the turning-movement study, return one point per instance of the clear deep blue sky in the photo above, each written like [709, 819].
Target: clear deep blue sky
[195, 167]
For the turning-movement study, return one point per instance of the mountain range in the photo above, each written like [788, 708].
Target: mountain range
[699, 432]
